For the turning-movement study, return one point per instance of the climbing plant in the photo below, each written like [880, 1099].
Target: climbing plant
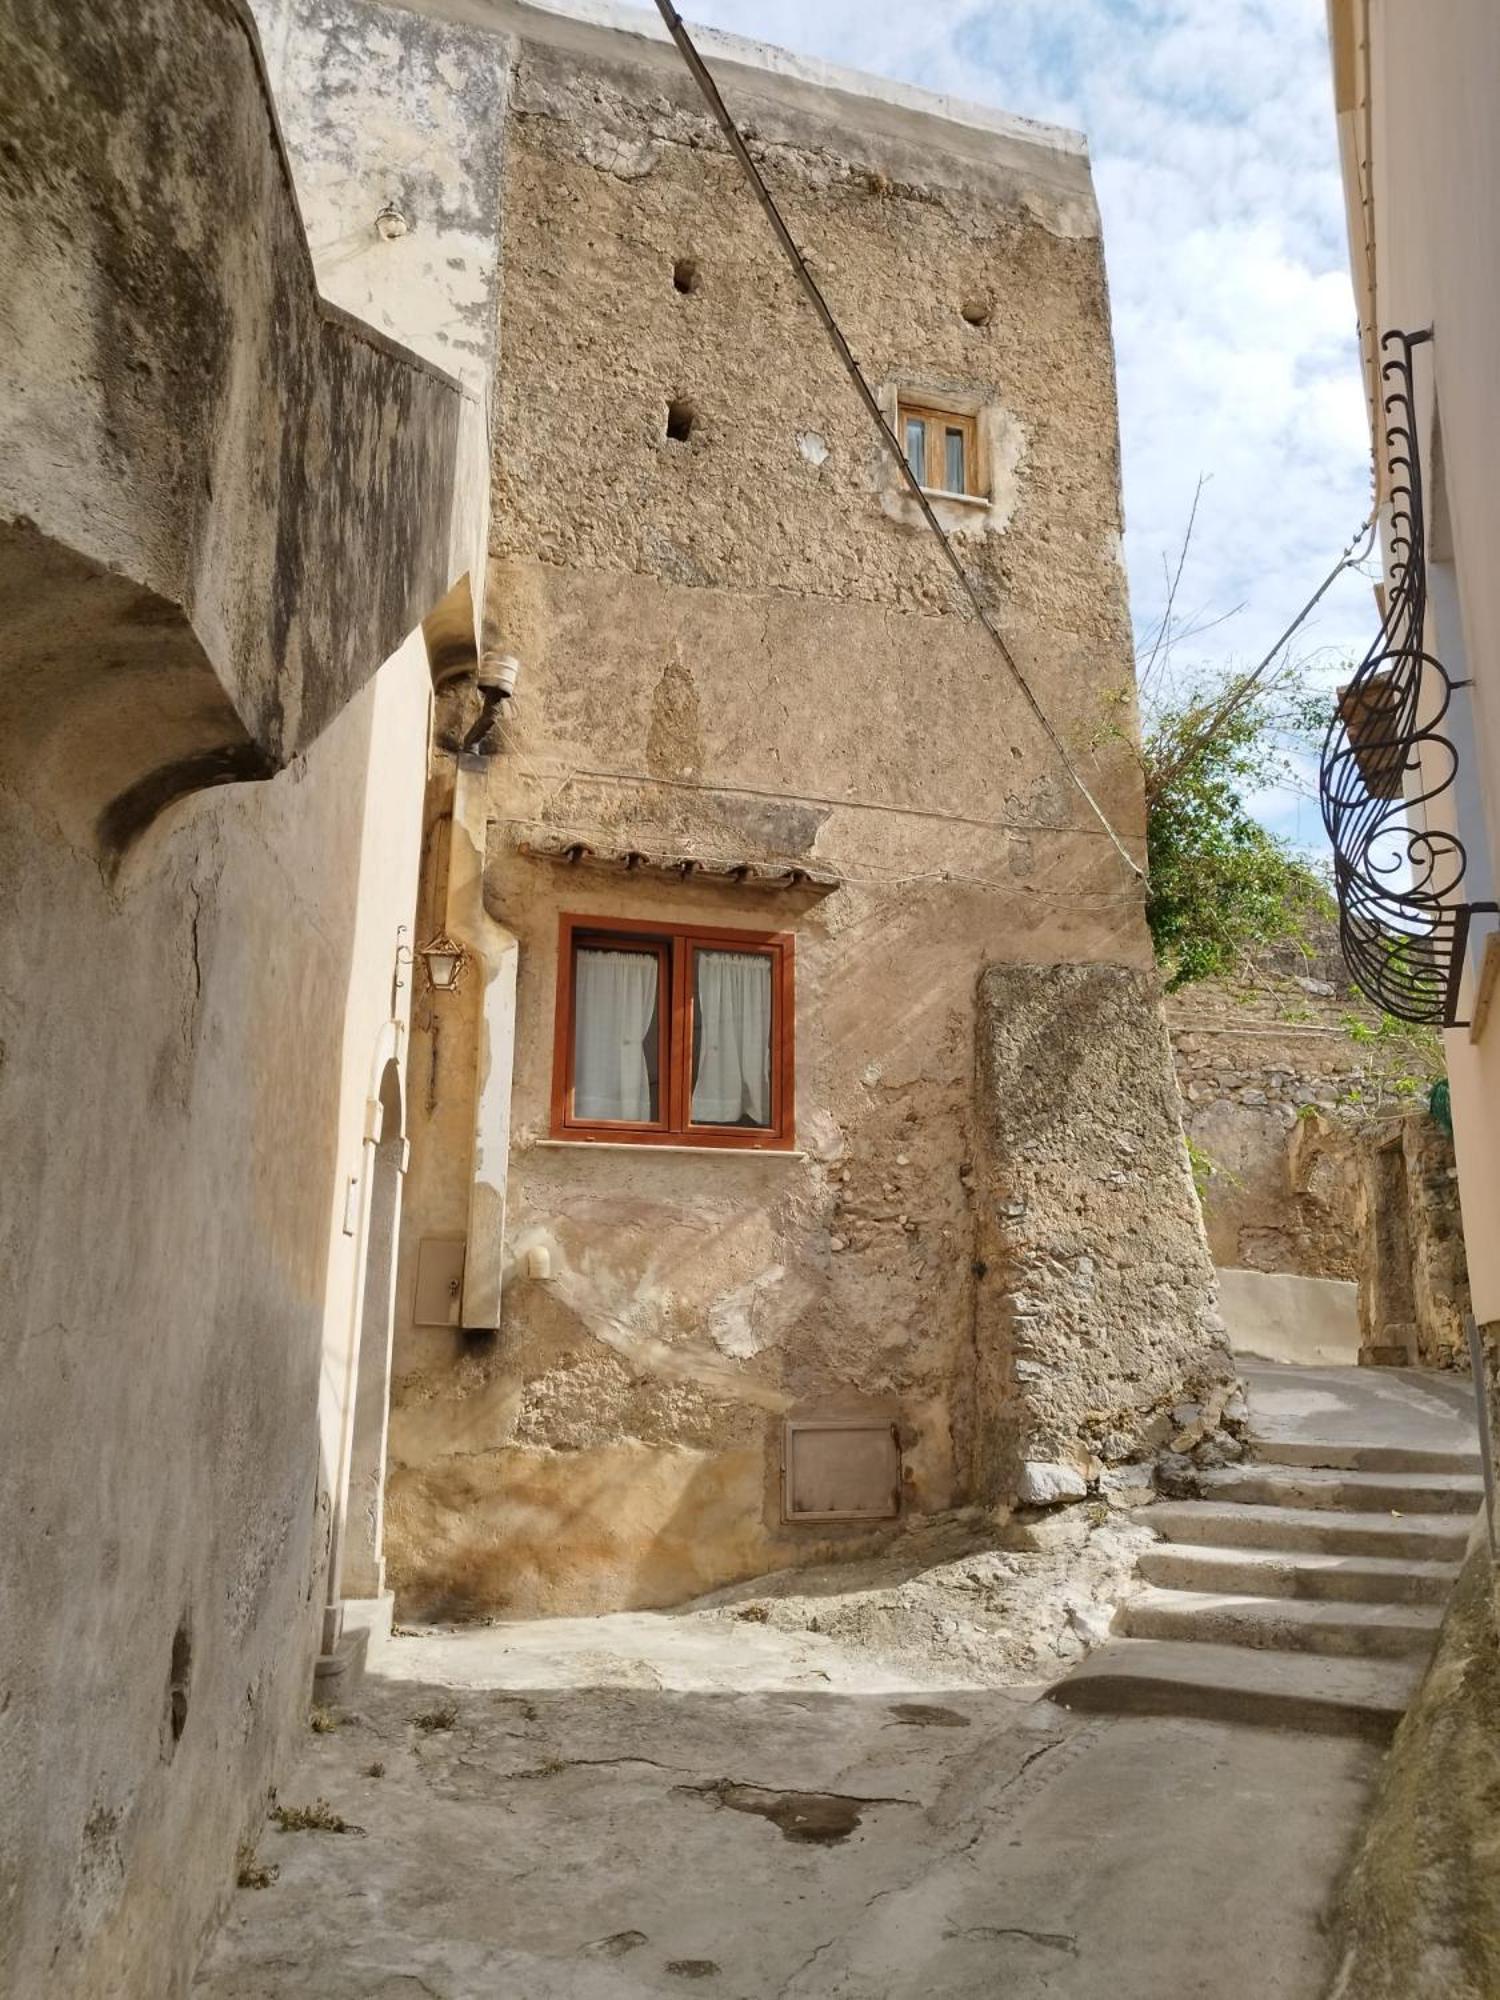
[1222, 885]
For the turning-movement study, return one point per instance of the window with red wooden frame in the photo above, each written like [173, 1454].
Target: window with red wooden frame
[673, 1034]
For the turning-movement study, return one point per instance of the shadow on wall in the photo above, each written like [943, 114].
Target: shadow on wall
[170, 1104]
[657, 1478]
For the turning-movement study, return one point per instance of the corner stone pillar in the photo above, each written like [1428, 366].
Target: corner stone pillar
[1096, 1309]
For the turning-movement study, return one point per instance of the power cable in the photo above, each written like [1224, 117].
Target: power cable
[810, 286]
[1240, 691]
[567, 774]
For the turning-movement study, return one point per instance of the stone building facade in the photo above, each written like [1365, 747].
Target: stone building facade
[755, 715]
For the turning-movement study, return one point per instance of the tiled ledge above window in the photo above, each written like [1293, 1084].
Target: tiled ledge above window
[712, 871]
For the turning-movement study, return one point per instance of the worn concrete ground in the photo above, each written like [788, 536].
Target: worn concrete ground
[595, 1809]
[1401, 1409]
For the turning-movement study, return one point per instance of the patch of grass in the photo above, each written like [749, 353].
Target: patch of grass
[375, 1770]
[319, 1817]
[442, 1717]
[250, 1872]
[323, 1721]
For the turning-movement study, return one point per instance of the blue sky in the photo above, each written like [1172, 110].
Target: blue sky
[1210, 124]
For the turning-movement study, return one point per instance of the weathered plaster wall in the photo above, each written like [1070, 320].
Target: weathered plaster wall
[1282, 1072]
[378, 921]
[1413, 1273]
[174, 1289]
[223, 502]
[731, 648]
[193, 445]
[383, 109]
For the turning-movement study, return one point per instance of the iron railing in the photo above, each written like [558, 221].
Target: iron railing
[1403, 922]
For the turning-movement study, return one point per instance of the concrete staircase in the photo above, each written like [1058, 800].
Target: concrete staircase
[1304, 1586]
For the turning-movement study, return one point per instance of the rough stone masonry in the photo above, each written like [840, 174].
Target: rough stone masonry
[1098, 1339]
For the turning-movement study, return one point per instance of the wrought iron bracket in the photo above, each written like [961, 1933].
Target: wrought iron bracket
[1398, 869]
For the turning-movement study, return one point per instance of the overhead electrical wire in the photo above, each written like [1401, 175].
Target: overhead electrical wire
[568, 774]
[710, 90]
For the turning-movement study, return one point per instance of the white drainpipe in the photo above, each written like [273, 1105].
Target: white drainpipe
[495, 951]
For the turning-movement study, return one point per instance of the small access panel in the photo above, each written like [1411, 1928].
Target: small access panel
[840, 1469]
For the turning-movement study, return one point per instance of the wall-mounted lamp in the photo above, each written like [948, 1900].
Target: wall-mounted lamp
[445, 960]
[391, 223]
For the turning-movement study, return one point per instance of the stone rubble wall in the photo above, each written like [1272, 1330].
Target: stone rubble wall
[1098, 1340]
[1315, 1152]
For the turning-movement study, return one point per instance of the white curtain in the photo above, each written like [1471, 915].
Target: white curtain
[732, 1075]
[614, 1011]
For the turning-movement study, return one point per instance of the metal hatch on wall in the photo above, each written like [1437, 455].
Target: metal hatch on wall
[840, 1469]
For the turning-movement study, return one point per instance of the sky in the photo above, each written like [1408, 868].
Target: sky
[1210, 126]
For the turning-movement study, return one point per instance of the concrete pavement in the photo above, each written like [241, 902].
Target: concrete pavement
[621, 1837]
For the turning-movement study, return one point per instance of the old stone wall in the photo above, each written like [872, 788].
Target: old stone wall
[1420, 1913]
[1314, 1149]
[1095, 1325]
[736, 647]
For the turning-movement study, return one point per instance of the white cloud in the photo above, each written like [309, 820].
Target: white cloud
[1211, 129]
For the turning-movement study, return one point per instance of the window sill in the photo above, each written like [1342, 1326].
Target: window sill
[634, 1146]
[980, 500]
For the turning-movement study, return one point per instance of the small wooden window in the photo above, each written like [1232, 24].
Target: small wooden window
[673, 1034]
[941, 448]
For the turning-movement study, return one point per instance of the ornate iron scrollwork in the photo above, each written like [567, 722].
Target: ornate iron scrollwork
[1403, 922]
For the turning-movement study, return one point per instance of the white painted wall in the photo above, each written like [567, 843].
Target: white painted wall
[377, 1010]
[1433, 142]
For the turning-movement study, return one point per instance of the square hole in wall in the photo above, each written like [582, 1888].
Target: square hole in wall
[440, 1281]
[840, 1469]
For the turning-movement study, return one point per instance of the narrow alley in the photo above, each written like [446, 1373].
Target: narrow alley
[747, 1243]
[729, 1800]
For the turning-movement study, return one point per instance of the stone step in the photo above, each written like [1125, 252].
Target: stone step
[1362, 1457]
[1306, 1573]
[1280, 1624]
[1227, 1524]
[1233, 1684]
[1359, 1492]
